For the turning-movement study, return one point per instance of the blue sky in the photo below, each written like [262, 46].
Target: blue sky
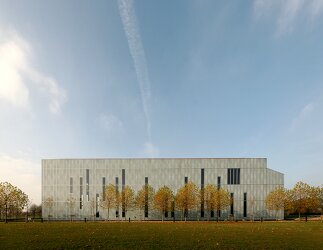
[121, 78]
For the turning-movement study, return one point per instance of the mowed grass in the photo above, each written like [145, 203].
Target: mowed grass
[158, 235]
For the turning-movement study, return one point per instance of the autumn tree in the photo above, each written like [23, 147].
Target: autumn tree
[187, 198]
[71, 206]
[49, 203]
[162, 200]
[304, 198]
[216, 199]
[210, 191]
[144, 198]
[276, 200]
[12, 197]
[320, 196]
[110, 198]
[127, 199]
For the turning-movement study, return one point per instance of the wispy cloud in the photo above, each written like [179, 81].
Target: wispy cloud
[16, 68]
[131, 28]
[150, 150]
[287, 12]
[110, 123]
[302, 116]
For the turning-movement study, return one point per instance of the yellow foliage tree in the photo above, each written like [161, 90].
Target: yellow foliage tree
[187, 198]
[304, 198]
[127, 199]
[110, 198]
[277, 200]
[216, 199]
[144, 198]
[163, 200]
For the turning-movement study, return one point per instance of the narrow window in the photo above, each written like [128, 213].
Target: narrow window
[103, 188]
[219, 182]
[238, 176]
[87, 184]
[71, 185]
[117, 195]
[97, 206]
[245, 205]
[186, 211]
[81, 192]
[232, 203]
[202, 192]
[231, 180]
[146, 197]
[123, 198]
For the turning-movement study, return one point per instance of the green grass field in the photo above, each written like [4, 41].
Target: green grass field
[157, 235]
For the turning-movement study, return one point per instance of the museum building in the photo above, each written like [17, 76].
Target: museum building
[83, 181]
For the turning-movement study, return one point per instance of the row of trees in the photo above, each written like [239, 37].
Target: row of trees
[187, 198]
[302, 198]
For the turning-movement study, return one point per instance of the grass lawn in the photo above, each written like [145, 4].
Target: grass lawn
[157, 235]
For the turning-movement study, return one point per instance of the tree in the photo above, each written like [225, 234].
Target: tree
[12, 197]
[92, 205]
[163, 200]
[110, 198]
[216, 199]
[127, 199]
[49, 203]
[144, 198]
[187, 198]
[210, 191]
[276, 200]
[304, 198]
[32, 210]
[320, 196]
[71, 205]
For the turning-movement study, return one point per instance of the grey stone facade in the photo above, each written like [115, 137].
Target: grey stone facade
[82, 180]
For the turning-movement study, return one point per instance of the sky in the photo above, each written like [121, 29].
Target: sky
[122, 78]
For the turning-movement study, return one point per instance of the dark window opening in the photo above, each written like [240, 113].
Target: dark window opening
[103, 188]
[202, 192]
[233, 176]
[232, 203]
[71, 185]
[146, 197]
[245, 205]
[123, 198]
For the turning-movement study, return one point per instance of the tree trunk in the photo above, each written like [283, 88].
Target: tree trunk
[108, 213]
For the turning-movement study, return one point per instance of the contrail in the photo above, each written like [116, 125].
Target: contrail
[130, 25]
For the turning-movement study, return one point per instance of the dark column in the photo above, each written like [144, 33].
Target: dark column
[232, 204]
[123, 186]
[245, 205]
[117, 194]
[146, 197]
[103, 188]
[81, 192]
[87, 184]
[202, 192]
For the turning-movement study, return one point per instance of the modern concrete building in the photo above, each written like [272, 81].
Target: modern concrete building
[82, 181]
